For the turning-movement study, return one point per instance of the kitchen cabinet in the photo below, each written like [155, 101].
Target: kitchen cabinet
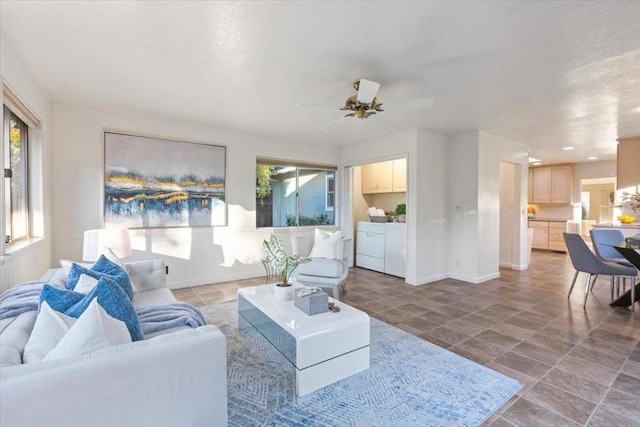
[628, 171]
[552, 184]
[399, 175]
[377, 178]
[540, 234]
[385, 177]
[548, 235]
[556, 239]
[382, 247]
[542, 185]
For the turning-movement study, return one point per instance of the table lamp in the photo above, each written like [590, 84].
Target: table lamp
[112, 242]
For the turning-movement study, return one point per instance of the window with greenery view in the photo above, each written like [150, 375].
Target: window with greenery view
[16, 203]
[294, 195]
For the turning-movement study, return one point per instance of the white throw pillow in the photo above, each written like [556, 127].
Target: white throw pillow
[85, 284]
[66, 265]
[325, 244]
[94, 330]
[50, 327]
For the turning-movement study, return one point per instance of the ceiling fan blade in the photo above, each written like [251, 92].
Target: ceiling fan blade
[367, 91]
[335, 122]
[321, 105]
[413, 104]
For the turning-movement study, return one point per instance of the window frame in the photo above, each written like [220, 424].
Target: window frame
[327, 206]
[9, 237]
[298, 165]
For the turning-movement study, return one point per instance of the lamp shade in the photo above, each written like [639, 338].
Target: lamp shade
[114, 242]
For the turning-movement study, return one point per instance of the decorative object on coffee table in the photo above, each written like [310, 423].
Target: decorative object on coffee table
[311, 300]
[284, 266]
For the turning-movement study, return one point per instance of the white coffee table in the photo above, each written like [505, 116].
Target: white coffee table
[323, 348]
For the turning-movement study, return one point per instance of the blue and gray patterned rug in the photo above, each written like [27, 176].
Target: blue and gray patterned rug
[411, 382]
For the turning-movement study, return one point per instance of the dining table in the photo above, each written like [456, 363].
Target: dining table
[629, 298]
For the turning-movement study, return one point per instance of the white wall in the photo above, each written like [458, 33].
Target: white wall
[426, 189]
[32, 258]
[494, 150]
[507, 206]
[194, 255]
[474, 205]
[586, 170]
[462, 174]
[453, 201]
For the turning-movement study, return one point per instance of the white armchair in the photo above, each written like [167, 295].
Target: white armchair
[322, 272]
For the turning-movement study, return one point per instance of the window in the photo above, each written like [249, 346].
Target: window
[290, 194]
[16, 191]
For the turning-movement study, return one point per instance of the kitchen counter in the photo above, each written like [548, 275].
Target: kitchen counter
[633, 225]
[628, 230]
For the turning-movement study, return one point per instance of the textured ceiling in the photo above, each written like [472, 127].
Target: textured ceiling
[543, 74]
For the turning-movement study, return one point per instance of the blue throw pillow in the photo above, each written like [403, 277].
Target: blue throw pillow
[110, 296]
[58, 299]
[102, 268]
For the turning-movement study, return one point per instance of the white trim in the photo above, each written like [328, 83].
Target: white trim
[474, 280]
[326, 193]
[18, 106]
[22, 246]
[425, 280]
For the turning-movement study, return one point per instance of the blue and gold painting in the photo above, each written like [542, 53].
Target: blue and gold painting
[151, 182]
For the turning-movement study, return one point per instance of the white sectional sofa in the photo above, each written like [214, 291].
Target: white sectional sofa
[173, 377]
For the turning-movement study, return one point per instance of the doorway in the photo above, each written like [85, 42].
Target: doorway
[598, 198]
[510, 246]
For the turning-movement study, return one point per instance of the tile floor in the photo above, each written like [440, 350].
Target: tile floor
[578, 367]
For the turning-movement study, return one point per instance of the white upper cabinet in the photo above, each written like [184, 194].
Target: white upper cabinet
[385, 177]
[399, 175]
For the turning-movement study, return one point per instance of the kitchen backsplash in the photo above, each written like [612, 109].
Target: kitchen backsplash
[554, 211]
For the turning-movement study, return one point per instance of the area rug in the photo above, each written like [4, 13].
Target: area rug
[411, 382]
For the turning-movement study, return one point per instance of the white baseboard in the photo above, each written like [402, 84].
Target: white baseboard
[425, 280]
[475, 280]
[514, 266]
[217, 279]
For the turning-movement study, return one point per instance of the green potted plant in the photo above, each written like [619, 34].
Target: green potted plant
[401, 211]
[284, 265]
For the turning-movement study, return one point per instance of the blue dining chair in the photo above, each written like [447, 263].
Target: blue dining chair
[604, 243]
[585, 261]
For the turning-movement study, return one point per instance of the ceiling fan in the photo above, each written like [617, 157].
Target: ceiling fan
[365, 104]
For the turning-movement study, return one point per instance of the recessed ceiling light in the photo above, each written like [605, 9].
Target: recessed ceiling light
[536, 163]
[533, 159]
[592, 158]
[567, 148]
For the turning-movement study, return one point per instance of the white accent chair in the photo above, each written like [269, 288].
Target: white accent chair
[322, 272]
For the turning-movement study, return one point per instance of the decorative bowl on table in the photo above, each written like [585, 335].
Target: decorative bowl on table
[626, 219]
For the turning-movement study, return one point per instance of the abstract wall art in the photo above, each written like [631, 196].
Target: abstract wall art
[152, 182]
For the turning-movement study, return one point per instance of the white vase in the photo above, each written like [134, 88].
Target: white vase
[402, 218]
[282, 293]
